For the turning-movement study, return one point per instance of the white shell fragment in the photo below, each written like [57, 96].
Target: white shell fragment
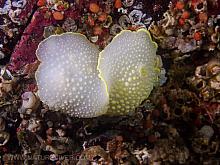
[68, 78]
[30, 101]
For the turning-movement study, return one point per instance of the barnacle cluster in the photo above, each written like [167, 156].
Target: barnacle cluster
[187, 26]
[181, 102]
[115, 152]
[95, 154]
[125, 76]
[57, 10]
[203, 141]
[14, 16]
[206, 81]
[169, 151]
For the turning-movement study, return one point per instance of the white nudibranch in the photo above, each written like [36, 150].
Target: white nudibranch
[67, 77]
[130, 68]
[77, 79]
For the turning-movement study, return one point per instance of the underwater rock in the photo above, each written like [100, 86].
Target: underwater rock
[172, 111]
[24, 52]
[14, 16]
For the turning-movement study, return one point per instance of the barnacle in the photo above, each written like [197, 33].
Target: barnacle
[142, 155]
[135, 16]
[2, 55]
[34, 125]
[169, 151]
[94, 155]
[115, 29]
[5, 137]
[77, 79]
[128, 3]
[69, 25]
[202, 139]
[19, 3]
[124, 21]
[108, 22]
[155, 30]
[6, 82]
[168, 20]
[207, 80]
[215, 37]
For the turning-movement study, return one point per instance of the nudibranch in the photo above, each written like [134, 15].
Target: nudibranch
[67, 77]
[130, 68]
[76, 78]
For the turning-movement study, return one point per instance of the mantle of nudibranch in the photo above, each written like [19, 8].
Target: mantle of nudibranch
[68, 78]
[130, 68]
[77, 79]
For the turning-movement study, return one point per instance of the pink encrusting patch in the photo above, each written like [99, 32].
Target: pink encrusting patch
[24, 52]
